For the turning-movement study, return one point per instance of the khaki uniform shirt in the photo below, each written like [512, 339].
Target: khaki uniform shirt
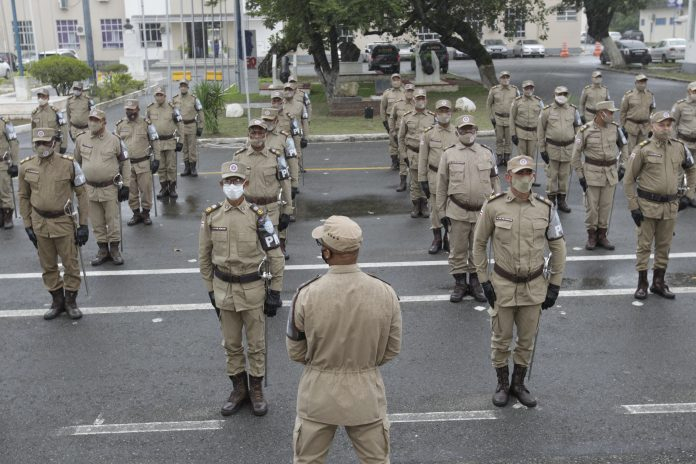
[469, 175]
[187, 106]
[412, 126]
[77, 110]
[352, 324]
[400, 108]
[684, 114]
[162, 116]
[559, 124]
[9, 149]
[297, 111]
[282, 141]
[499, 101]
[102, 159]
[134, 134]
[598, 144]
[228, 239]
[51, 117]
[636, 107]
[302, 97]
[591, 95]
[524, 116]
[656, 167]
[263, 182]
[47, 184]
[519, 231]
[436, 139]
[389, 98]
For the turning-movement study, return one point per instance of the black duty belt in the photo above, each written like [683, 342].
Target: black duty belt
[515, 278]
[410, 147]
[686, 137]
[657, 198]
[638, 121]
[137, 160]
[559, 144]
[233, 279]
[464, 205]
[531, 129]
[49, 214]
[590, 110]
[166, 137]
[261, 201]
[189, 121]
[106, 183]
[502, 115]
[432, 168]
[79, 126]
[600, 162]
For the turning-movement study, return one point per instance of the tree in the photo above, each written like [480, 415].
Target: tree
[60, 72]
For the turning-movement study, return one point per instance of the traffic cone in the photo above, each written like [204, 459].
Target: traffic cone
[564, 50]
[597, 49]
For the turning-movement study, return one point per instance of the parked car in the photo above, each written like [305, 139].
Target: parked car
[633, 35]
[669, 50]
[368, 50]
[528, 47]
[496, 48]
[633, 51]
[385, 58]
[405, 51]
[9, 58]
[61, 51]
[459, 55]
[424, 49]
[615, 35]
[5, 70]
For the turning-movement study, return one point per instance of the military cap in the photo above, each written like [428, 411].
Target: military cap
[43, 91]
[339, 233]
[443, 104]
[132, 104]
[519, 163]
[292, 78]
[234, 169]
[269, 114]
[396, 75]
[409, 86]
[691, 86]
[160, 90]
[276, 94]
[504, 73]
[641, 77]
[99, 114]
[419, 93]
[560, 89]
[527, 84]
[607, 105]
[597, 74]
[289, 85]
[659, 116]
[183, 82]
[43, 134]
[466, 120]
[257, 123]
[78, 85]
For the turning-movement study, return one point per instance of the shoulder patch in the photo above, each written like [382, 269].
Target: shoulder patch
[27, 159]
[496, 196]
[543, 200]
[212, 208]
[67, 157]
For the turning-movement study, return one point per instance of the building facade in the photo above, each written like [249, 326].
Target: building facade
[658, 24]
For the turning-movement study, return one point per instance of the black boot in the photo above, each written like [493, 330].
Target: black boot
[423, 207]
[194, 172]
[172, 190]
[437, 242]
[187, 169]
[115, 253]
[506, 158]
[164, 190]
[518, 389]
[499, 160]
[57, 305]
[282, 248]
[460, 288]
[502, 391]
[475, 288]
[258, 403]
[239, 395]
[415, 209]
[641, 292]
[7, 219]
[562, 205]
[395, 162]
[659, 286]
[102, 254]
[402, 185]
[136, 219]
[551, 197]
[591, 239]
[146, 217]
[71, 305]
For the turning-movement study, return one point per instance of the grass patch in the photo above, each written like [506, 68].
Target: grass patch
[665, 70]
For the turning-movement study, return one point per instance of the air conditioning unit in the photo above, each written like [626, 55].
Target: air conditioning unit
[80, 30]
[63, 4]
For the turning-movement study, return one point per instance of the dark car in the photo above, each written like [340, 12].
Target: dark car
[424, 48]
[9, 58]
[385, 58]
[633, 35]
[633, 51]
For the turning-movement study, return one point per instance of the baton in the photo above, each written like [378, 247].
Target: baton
[67, 209]
[118, 181]
[536, 167]
[264, 271]
[154, 195]
[531, 360]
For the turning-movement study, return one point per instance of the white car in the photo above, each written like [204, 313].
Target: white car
[615, 35]
[669, 50]
[528, 47]
[5, 70]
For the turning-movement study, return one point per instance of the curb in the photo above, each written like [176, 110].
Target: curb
[626, 71]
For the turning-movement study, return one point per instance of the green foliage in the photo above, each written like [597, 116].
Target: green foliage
[115, 85]
[625, 21]
[212, 97]
[114, 68]
[60, 72]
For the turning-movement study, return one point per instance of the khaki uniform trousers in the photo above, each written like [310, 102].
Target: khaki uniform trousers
[434, 214]
[599, 202]
[461, 254]
[414, 186]
[190, 149]
[167, 169]
[659, 230]
[393, 142]
[403, 167]
[503, 318]
[104, 214]
[558, 177]
[527, 148]
[502, 140]
[312, 440]
[5, 190]
[140, 189]
[252, 322]
[636, 134]
[298, 162]
[49, 250]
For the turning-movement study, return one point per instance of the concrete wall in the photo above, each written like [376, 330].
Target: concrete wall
[651, 23]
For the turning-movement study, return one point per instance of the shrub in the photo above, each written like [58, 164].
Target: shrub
[60, 72]
[211, 95]
[116, 85]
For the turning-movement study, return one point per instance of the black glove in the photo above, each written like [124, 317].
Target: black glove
[81, 235]
[211, 295]
[683, 203]
[13, 170]
[545, 157]
[272, 303]
[303, 142]
[425, 187]
[123, 193]
[154, 166]
[489, 292]
[408, 165]
[386, 125]
[283, 221]
[179, 146]
[199, 131]
[622, 171]
[493, 122]
[637, 216]
[32, 236]
[446, 223]
[583, 120]
[515, 139]
[583, 184]
[551, 296]
[62, 150]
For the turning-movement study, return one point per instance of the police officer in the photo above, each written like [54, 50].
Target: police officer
[170, 126]
[558, 124]
[524, 117]
[268, 178]
[282, 141]
[684, 114]
[285, 123]
[386, 107]
[436, 139]
[520, 224]
[48, 116]
[591, 96]
[77, 110]
[400, 108]
[47, 182]
[341, 384]
[105, 162]
[412, 126]
[140, 137]
[499, 101]
[236, 236]
[636, 106]
[296, 112]
[467, 174]
[598, 140]
[652, 178]
[191, 111]
[301, 96]
[9, 161]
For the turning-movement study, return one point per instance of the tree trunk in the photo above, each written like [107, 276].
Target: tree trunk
[281, 49]
[612, 51]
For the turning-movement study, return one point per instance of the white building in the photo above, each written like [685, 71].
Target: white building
[658, 24]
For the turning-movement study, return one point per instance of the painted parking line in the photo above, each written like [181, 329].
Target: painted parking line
[664, 408]
[338, 169]
[143, 427]
[441, 416]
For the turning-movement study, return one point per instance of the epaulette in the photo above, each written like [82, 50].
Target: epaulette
[2, 119]
[147, 120]
[407, 113]
[259, 211]
[495, 196]
[303, 285]
[428, 129]
[212, 208]
[585, 126]
[681, 100]
[429, 113]
[573, 106]
[27, 159]
[629, 91]
[239, 151]
[57, 110]
[80, 133]
[672, 139]
[513, 86]
[121, 120]
[275, 151]
[587, 86]
[644, 143]
[67, 157]
[379, 278]
[171, 104]
[614, 123]
[537, 97]
[453, 145]
[495, 86]
[548, 202]
[36, 110]
[486, 147]
[150, 104]
[282, 132]
[72, 97]
[547, 106]
[175, 96]
[518, 97]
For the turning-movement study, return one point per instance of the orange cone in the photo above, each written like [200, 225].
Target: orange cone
[597, 49]
[564, 50]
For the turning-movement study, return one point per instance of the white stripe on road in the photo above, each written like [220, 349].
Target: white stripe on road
[441, 416]
[665, 408]
[314, 267]
[6, 313]
[143, 427]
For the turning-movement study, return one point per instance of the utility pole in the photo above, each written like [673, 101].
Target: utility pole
[88, 38]
[18, 47]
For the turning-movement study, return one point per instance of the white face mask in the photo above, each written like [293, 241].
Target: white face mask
[596, 80]
[691, 97]
[233, 191]
[444, 118]
[77, 92]
[420, 104]
[94, 127]
[561, 99]
[528, 92]
[43, 101]
[289, 94]
[396, 83]
[467, 138]
[504, 81]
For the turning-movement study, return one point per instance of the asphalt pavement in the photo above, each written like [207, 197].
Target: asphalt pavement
[141, 378]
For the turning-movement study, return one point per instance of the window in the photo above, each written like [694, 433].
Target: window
[112, 33]
[345, 35]
[671, 20]
[660, 21]
[642, 21]
[567, 14]
[26, 37]
[424, 33]
[152, 34]
[67, 33]
[513, 26]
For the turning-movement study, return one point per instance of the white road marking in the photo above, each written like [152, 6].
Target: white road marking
[143, 427]
[441, 416]
[665, 408]
[99, 420]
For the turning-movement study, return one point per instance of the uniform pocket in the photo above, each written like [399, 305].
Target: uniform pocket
[493, 313]
[247, 243]
[539, 226]
[484, 170]
[503, 231]
[386, 426]
[297, 436]
[456, 171]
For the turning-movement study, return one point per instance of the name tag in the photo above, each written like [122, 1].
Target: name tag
[219, 228]
[498, 218]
